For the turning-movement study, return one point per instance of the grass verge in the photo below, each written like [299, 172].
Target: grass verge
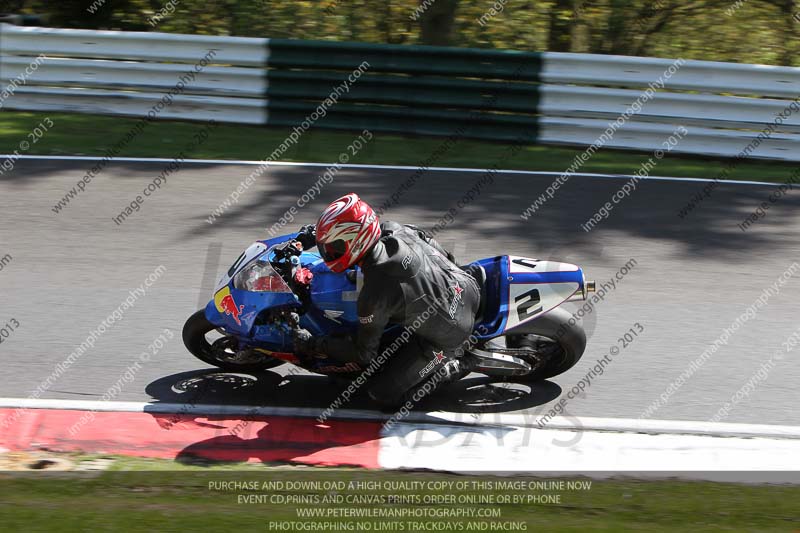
[156, 495]
[78, 134]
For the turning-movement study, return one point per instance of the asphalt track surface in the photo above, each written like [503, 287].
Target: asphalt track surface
[692, 278]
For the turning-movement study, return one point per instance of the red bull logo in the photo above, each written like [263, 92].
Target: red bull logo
[225, 303]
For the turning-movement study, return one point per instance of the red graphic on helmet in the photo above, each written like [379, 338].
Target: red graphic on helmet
[346, 231]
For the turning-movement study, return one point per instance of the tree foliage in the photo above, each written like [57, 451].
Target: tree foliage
[754, 31]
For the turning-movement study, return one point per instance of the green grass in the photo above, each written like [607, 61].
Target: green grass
[153, 495]
[76, 134]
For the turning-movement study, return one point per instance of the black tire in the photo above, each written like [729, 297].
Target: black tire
[566, 341]
[194, 338]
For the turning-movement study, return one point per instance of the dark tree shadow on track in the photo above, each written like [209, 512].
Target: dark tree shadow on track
[492, 220]
[281, 440]
[494, 217]
[244, 436]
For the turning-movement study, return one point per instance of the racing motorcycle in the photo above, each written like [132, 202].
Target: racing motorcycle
[275, 286]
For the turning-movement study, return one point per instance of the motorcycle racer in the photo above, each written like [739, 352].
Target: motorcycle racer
[409, 279]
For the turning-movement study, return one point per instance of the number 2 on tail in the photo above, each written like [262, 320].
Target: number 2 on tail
[529, 305]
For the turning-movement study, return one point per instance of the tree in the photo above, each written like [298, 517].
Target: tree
[560, 30]
[436, 23]
[756, 31]
[788, 24]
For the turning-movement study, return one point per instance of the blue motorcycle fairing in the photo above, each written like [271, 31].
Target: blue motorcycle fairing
[251, 303]
[498, 285]
[494, 320]
[333, 308]
[333, 296]
[277, 240]
[330, 292]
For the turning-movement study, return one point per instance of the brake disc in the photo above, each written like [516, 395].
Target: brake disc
[227, 349]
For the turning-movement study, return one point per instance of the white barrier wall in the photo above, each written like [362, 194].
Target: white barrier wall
[724, 106]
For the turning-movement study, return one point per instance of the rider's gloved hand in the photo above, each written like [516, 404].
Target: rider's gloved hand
[304, 342]
[308, 236]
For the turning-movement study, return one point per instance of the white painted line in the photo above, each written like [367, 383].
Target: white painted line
[456, 421]
[378, 167]
[510, 449]
[617, 425]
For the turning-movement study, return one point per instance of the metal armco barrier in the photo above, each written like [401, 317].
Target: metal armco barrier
[552, 98]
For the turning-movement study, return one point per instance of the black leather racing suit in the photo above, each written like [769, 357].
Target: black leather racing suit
[409, 279]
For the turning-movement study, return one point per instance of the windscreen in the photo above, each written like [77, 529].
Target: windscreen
[259, 276]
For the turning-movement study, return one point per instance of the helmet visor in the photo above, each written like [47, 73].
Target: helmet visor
[331, 251]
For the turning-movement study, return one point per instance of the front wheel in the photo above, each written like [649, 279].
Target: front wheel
[555, 343]
[221, 352]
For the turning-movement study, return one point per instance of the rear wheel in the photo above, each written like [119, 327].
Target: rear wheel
[551, 345]
[221, 351]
